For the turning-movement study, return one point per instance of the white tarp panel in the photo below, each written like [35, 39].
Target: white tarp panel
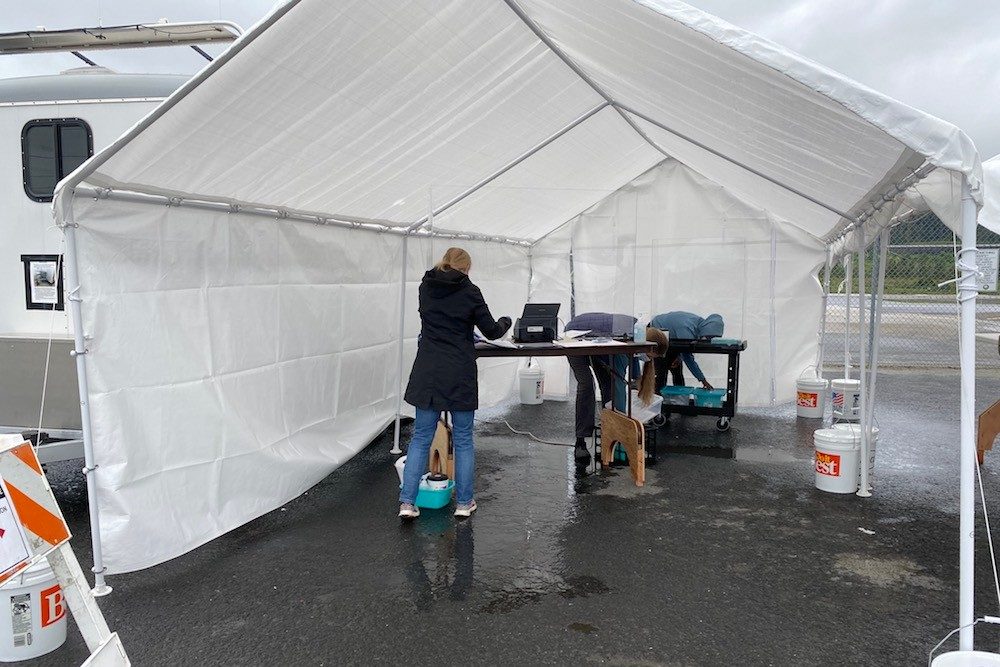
[238, 360]
[673, 240]
[989, 217]
[359, 109]
[378, 110]
[574, 172]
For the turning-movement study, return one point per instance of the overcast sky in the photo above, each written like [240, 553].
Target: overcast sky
[941, 56]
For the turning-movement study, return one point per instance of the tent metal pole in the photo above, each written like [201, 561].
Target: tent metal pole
[848, 287]
[772, 315]
[504, 169]
[863, 368]
[968, 290]
[826, 301]
[399, 359]
[80, 354]
[873, 284]
[876, 334]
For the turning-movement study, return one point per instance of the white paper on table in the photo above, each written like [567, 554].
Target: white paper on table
[574, 333]
[587, 343]
[502, 343]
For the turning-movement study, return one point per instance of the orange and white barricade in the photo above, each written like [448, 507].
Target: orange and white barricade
[32, 528]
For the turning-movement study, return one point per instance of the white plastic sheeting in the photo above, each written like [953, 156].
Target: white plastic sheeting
[673, 240]
[238, 357]
[989, 217]
[237, 360]
[378, 105]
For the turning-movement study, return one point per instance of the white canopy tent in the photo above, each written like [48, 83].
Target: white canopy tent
[237, 261]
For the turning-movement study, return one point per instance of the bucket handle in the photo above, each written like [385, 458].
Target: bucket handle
[992, 620]
[815, 374]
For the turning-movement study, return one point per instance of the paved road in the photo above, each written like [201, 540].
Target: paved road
[915, 334]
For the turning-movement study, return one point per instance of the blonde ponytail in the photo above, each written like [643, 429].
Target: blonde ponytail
[455, 259]
[647, 383]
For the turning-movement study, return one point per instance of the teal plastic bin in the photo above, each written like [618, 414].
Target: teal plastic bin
[726, 341]
[676, 395]
[431, 499]
[708, 398]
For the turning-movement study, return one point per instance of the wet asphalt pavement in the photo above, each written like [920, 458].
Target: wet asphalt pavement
[715, 561]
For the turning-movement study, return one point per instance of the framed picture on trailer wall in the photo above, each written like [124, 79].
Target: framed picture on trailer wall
[43, 282]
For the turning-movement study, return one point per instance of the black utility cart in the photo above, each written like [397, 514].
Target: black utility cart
[732, 349]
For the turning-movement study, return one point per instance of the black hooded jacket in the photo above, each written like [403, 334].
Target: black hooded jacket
[444, 375]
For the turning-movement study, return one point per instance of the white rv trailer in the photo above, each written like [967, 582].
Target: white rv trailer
[48, 126]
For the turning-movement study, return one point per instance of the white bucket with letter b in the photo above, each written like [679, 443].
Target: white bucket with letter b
[32, 614]
[837, 460]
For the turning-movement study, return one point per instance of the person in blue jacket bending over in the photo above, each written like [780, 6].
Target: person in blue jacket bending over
[684, 326]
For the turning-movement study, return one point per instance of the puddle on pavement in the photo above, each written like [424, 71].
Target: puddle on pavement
[886, 572]
[584, 628]
[768, 455]
[510, 553]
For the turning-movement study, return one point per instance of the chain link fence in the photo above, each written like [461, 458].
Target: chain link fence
[920, 322]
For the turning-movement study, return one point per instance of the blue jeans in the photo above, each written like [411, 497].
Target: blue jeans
[424, 427]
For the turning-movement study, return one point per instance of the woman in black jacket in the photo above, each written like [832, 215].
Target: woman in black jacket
[444, 375]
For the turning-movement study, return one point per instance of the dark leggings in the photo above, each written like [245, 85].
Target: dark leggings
[665, 365]
[585, 394]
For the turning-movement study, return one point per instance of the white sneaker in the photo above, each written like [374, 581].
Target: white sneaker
[408, 511]
[465, 509]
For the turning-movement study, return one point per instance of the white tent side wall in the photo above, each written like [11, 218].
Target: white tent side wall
[236, 360]
[674, 240]
[989, 217]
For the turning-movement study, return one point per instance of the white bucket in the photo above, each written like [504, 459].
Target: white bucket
[434, 484]
[846, 400]
[966, 659]
[400, 464]
[32, 614]
[810, 401]
[836, 460]
[531, 381]
[856, 430]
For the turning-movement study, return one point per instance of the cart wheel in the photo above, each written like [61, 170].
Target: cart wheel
[723, 424]
[658, 420]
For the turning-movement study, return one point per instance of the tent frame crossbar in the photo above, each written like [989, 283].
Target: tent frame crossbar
[287, 214]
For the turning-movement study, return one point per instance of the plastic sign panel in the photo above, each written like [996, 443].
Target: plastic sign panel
[988, 261]
[28, 509]
[14, 553]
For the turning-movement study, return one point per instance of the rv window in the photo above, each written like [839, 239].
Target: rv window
[51, 149]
